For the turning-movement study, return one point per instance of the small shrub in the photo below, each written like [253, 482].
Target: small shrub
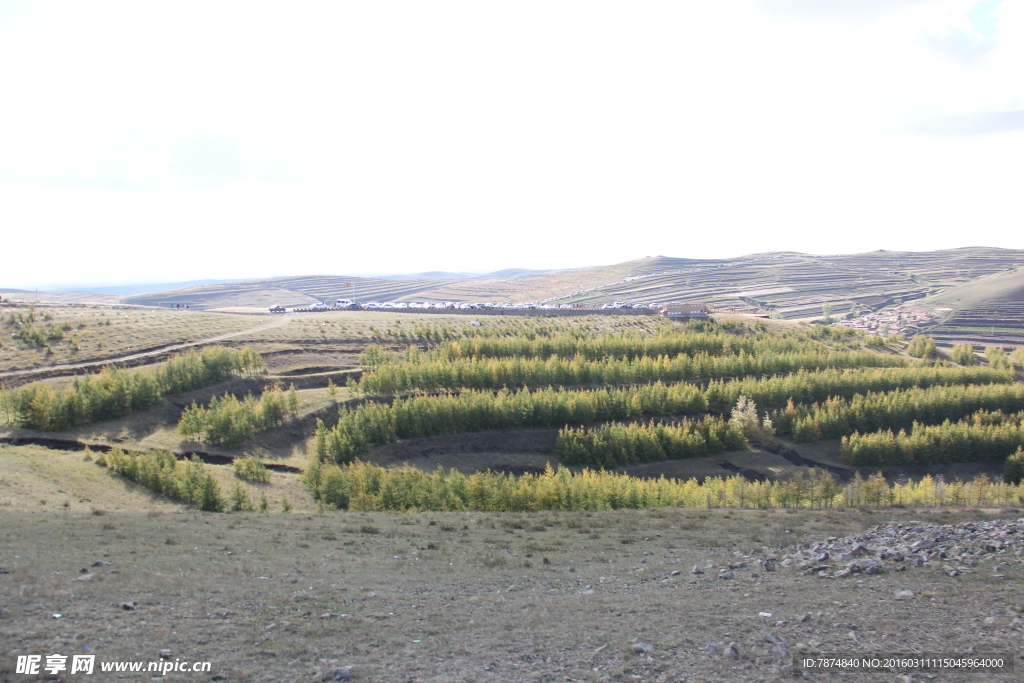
[251, 469]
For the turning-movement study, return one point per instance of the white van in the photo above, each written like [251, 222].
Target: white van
[344, 303]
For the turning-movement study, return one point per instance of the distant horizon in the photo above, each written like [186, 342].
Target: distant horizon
[156, 285]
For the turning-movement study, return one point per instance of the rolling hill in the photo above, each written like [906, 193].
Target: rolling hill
[794, 285]
[989, 310]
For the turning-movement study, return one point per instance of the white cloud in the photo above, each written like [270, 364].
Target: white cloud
[180, 140]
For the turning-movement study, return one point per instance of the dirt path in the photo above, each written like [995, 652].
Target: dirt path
[56, 370]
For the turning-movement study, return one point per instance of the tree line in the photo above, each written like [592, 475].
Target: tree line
[360, 486]
[160, 471]
[228, 421]
[493, 373]
[805, 387]
[984, 436]
[625, 345]
[617, 443]
[836, 417]
[115, 392]
[373, 424]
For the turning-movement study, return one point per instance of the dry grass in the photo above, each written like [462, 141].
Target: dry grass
[430, 597]
[446, 596]
[467, 597]
[104, 332]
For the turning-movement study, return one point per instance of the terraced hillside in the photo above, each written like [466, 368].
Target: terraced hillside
[986, 311]
[295, 291]
[791, 284]
[797, 285]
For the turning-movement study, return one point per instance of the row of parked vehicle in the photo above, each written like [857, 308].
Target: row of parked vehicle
[348, 304]
[623, 304]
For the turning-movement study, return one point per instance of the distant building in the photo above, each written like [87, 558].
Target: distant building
[685, 311]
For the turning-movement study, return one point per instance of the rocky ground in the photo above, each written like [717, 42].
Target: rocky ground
[654, 595]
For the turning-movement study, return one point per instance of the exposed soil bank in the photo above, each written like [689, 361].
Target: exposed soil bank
[74, 445]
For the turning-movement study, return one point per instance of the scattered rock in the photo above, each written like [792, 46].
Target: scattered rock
[129, 606]
[779, 648]
[732, 651]
[989, 621]
[4, 571]
[726, 574]
[803, 618]
[642, 648]
[373, 594]
[949, 548]
[738, 565]
[83, 570]
[165, 654]
[843, 573]
[100, 563]
[675, 572]
[340, 673]
[713, 649]
[547, 561]
[85, 577]
[905, 595]
[696, 570]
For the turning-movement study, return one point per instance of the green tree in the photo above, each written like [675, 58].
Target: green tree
[251, 469]
[210, 498]
[922, 347]
[1013, 470]
[293, 400]
[997, 358]
[964, 354]
[374, 356]
[240, 501]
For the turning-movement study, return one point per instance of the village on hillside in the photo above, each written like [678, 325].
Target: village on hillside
[892, 320]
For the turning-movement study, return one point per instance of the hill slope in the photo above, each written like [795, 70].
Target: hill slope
[792, 284]
[987, 311]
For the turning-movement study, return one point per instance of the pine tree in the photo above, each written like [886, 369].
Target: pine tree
[210, 499]
[240, 501]
[1013, 471]
[964, 354]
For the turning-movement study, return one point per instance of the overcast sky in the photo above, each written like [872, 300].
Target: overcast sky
[169, 141]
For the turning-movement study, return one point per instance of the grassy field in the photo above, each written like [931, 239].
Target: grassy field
[293, 592]
[470, 597]
[82, 334]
